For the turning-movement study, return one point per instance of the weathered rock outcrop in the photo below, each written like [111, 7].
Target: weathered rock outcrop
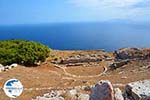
[118, 64]
[132, 53]
[103, 90]
[139, 90]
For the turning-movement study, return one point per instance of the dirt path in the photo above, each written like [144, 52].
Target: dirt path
[78, 76]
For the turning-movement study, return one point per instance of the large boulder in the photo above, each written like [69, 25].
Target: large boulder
[139, 90]
[103, 90]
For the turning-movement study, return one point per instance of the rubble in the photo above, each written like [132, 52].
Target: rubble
[79, 59]
[103, 90]
[44, 98]
[53, 95]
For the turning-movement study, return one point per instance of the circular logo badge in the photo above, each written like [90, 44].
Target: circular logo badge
[13, 88]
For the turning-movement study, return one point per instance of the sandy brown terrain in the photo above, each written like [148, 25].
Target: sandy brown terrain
[47, 76]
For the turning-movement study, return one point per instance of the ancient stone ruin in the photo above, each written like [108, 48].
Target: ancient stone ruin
[132, 53]
[80, 59]
[83, 58]
[118, 64]
[103, 90]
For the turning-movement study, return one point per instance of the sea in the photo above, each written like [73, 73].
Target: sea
[107, 36]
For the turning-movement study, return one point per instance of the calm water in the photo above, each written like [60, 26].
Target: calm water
[108, 36]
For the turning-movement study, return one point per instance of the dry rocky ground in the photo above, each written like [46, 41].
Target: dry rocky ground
[68, 69]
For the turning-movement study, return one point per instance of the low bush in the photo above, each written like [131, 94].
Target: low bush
[22, 52]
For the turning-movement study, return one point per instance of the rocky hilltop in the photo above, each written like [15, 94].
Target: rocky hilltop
[104, 89]
[85, 75]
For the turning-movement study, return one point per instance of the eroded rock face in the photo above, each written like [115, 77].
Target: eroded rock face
[103, 90]
[132, 53]
[139, 90]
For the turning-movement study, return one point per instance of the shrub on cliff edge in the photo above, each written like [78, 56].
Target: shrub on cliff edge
[22, 52]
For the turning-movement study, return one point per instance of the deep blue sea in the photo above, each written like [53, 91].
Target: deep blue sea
[82, 36]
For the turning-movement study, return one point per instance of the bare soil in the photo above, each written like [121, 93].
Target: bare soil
[47, 76]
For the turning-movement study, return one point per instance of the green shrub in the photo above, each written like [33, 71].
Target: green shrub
[22, 52]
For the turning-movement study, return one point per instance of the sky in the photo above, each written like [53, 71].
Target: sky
[55, 11]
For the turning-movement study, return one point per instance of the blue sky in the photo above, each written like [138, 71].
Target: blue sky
[51, 11]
